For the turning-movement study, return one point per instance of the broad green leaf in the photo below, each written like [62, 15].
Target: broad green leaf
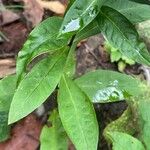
[77, 116]
[103, 86]
[41, 40]
[90, 30]
[7, 89]
[121, 34]
[54, 137]
[37, 85]
[80, 14]
[135, 12]
[123, 141]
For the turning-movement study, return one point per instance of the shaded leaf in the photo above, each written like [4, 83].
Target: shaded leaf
[122, 35]
[77, 116]
[41, 40]
[135, 12]
[103, 86]
[80, 14]
[90, 30]
[123, 141]
[7, 89]
[54, 137]
[37, 86]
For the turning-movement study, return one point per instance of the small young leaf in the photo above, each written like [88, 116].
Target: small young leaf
[80, 14]
[41, 40]
[122, 35]
[135, 12]
[77, 116]
[7, 89]
[37, 86]
[123, 141]
[103, 86]
[54, 137]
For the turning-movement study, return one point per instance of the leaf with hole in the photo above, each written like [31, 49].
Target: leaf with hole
[80, 14]
[103, 86]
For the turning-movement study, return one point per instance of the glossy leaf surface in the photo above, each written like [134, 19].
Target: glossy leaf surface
[41, 40]
[7, 89]
[80, 14]
[121, 34]
[54, 137]
[123, 141]
[108, 86]
[135, 12]
[77, 116]
[37, 86]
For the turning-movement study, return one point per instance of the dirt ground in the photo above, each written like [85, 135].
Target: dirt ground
[15, 25]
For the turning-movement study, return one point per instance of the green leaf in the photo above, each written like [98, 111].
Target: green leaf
[123, 141]
[71, 61]
[54, 137]
[77, 116]
[80, 14]
[90, 30]
[41, 40]
[121, 34]
[7, 89]
[103, 86]
[135, 12]
[37, 86]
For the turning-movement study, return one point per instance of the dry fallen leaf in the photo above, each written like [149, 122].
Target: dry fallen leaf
[33, 12]
[7, 67]
[7, 16]
[54, 6]
[25, 135]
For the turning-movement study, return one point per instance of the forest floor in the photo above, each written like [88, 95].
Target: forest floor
[15, 26]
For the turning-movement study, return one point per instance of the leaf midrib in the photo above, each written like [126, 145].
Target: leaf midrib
[42, 79]
[137, 51]
[80, 127]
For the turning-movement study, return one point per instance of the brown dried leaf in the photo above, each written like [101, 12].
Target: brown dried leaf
[25, 135]
[33, 12]
[54, 6]
[7, 17]
[7, 67]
